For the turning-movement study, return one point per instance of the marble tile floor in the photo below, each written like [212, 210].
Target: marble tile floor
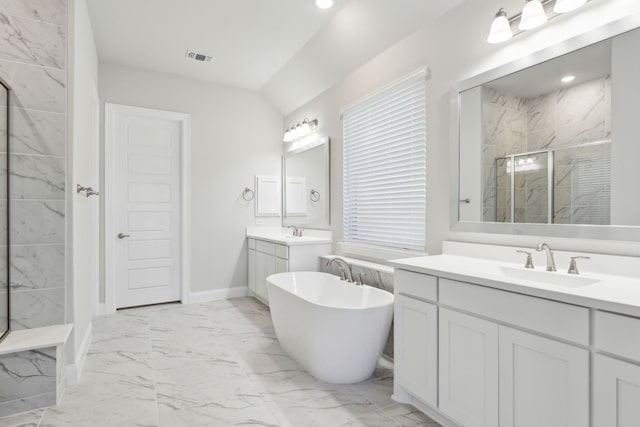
[210, 364]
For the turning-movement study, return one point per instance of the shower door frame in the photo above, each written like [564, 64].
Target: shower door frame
[8, 222]
[550, 177]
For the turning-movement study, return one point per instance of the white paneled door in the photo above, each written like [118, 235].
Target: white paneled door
[147, 211]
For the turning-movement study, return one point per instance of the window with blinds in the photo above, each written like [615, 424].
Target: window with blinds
[384, 175]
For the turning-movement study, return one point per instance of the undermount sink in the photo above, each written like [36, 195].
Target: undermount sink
[547, 277]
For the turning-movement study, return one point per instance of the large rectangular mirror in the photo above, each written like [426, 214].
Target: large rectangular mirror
[554, 144]
[305, 177]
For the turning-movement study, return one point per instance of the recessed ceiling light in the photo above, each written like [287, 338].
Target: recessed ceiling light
[324, 4]
[567, 79]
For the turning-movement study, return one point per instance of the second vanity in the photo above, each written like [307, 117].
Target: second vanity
[481, 341]
[275, 250]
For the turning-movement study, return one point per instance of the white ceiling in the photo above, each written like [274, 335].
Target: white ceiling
[585, 64]
[250, 39]
[289, 49]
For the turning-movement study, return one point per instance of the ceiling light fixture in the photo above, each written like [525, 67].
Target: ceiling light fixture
[300, 130]
[324, 4]
[533, 15]
[563, 6]
[567, 79]
[500, 28]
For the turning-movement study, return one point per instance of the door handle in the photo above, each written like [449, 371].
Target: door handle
[122, 235]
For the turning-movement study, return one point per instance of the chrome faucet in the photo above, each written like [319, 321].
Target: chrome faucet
[296, 231]
[551, 264]
[347, 270]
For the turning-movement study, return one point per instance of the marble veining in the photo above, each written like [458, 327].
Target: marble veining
[36, 267]
[37, 221]
[28, 379]
[50, 11]
[35, 87]
[37, 132]
[32, 42]
[37, 177]
[36, 308]
[179, 365]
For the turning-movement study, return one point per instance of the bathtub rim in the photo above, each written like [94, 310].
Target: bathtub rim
[333, 307]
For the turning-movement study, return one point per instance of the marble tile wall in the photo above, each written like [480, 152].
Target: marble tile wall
[511, 125]
[33, 51]
[28, 380]
[33, 45]
[504, 119]
[372, 277]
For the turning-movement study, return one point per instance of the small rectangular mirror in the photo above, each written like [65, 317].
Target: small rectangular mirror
[305, 177]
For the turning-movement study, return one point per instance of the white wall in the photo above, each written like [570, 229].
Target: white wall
[236, 134]
[454, 48]
[82, 152]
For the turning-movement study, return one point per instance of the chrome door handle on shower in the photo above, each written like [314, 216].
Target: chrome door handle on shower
[122, 235]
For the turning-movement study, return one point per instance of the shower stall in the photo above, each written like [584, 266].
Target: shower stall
[561, 185]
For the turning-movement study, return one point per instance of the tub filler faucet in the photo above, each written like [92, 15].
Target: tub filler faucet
[348, 274]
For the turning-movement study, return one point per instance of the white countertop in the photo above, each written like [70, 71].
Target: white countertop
[619, 294]
[284, 237]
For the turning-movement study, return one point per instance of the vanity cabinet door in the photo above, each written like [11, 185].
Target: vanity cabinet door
[542, 382]
[265, 266]
[616, 393]
[468, 391]
[416, 347]
[282, 265]
[251, 273]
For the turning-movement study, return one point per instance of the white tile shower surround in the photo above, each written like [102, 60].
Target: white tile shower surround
[210, 364]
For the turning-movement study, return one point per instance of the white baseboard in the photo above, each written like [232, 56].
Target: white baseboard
[218, 294]
[73, 371]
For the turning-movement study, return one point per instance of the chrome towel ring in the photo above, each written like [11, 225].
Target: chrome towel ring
[248, 194]
[314, 196]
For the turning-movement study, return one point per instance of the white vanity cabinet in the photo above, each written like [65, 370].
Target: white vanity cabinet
[468, 348]
[416, 323]
[503, 359]
[543, 382]
[269, 257]
[616, 383]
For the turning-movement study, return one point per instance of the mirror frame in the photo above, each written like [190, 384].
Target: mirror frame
[317, 142]
[581, 231]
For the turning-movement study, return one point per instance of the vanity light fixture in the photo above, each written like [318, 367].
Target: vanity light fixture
[563, 6]
[300, 130]
[324, 4]
[500, 28]
[533, 15]
[567, 79]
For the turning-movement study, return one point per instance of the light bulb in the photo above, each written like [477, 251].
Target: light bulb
[324, 4]
[532, 15]
[563, 6]
[500, 28]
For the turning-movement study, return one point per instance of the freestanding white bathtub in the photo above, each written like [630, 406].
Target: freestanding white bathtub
[334, 329]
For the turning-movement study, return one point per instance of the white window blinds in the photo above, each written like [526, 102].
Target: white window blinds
[384, 175]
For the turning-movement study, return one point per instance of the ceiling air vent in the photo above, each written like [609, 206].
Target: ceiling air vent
[200, 57]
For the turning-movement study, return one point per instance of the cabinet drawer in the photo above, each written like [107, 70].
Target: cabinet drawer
[266, 247]
[251, 243]
[282, 251]
[617, 334]
[557, 319]
[415, 285]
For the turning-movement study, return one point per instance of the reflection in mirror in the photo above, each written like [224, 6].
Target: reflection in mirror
[4, 209]
[553, 141]
[306, 185]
